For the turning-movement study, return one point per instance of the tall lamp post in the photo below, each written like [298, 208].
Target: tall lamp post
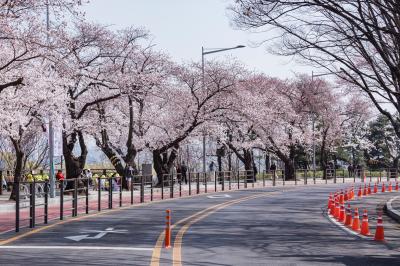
[206, 51]
[51, 129]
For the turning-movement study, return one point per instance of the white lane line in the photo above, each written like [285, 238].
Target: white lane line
[332, 219]
[77, 247]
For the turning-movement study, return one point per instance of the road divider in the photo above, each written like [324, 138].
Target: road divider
[167, 243]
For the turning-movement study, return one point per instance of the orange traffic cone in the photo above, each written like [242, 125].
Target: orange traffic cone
[365, 190]
[332, 210]
[379, 233]
[352, 193]
[341, 197]
[359, 194]
[346, 195]
[342, 213]
[397, 186]
[336, 213]
[390, 187]
[348, 221]
[369, 189]
[356, 221]
[375, 188]
[383, 187]
[364, 224]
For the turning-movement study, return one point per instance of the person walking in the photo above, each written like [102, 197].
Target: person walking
[350, 170]
[184, 172]
[273, 170]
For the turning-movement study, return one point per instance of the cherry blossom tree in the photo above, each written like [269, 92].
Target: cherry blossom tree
[124, 123]
[355, 40]
[91, 58]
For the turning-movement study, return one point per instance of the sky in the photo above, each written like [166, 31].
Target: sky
[181, 27]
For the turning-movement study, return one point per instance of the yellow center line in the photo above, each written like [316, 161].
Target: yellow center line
[155, 260]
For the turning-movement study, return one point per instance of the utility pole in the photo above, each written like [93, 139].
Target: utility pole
[51, 129]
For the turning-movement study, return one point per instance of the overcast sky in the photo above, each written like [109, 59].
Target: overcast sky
[181, 27]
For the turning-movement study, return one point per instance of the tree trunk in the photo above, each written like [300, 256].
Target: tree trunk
[163, 163]
[289, 170]
[74, 165]
[19, 160]
[267, 162]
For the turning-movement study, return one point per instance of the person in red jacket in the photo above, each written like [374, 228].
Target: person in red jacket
[59, 176]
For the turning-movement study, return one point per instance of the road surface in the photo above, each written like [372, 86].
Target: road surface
[266, 226]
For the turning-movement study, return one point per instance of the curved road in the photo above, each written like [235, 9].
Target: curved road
[269, 226]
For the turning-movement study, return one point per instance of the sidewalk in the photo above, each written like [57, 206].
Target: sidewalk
[393, 208]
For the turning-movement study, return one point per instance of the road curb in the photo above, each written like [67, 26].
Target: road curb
[390, 211]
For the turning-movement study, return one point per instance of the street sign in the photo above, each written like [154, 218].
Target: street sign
[100, 234]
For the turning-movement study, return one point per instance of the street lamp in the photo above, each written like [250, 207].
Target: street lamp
[206, 51]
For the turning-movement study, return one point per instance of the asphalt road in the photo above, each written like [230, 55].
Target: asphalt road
[271, 226]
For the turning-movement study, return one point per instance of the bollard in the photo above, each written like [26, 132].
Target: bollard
[229, 180]
[238, 179]
[223, 181]
[131, 188]
[141, 190]
[273, 177]
[98, 194]
[87, 197]
[171, 187]
[190, 184]
[120, 194]
[314, 179]
[61, 199]
[215, 181]
[205, 182]
[110, 198]
[180, 187]
[197, 183]
[16, 184]
[334, 175]
[75, 197]
[305, 176]
[31, 204]
[162, 187]
[1, 182]
[168, 230]
[151, 188]
[263, 177]
[343, 174]
[46, 201]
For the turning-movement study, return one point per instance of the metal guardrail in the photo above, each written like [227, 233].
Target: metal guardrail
[72, 192]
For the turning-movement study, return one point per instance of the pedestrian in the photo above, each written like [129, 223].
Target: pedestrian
[211, 167]
[350, 170]
[184, 172]
[272, 168]
[129, 173]
[115, 182]
[60, 178]
[89, 176]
